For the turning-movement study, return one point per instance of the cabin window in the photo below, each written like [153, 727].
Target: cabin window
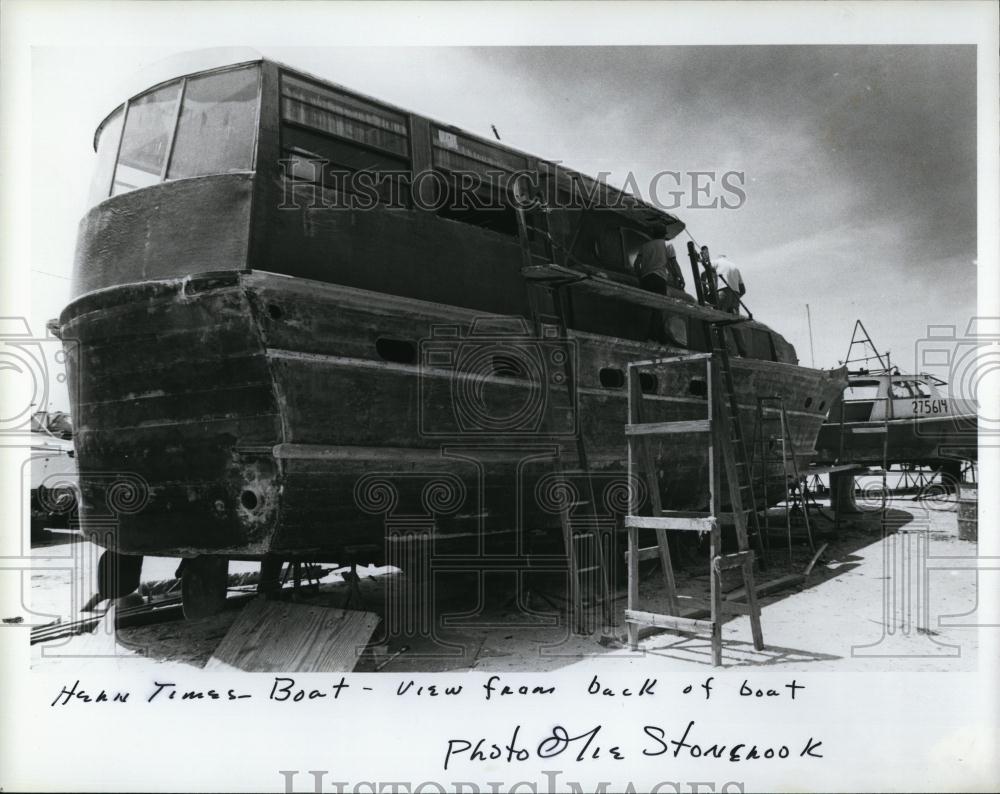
[149, 125]
[909, 389]
[215, 131]
[900, 390]
[107, 150]
[477, 181]
[632, 241]
[608, 249]
[195, 126]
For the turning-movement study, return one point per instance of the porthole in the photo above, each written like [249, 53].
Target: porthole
[611, 378]
[274, 311]
[698, 387]
[249, 500]
[398, 351]
[809, 401]
[822, 405]
[648, 382]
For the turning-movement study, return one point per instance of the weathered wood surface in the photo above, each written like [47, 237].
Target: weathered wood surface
[210, 388]
[281, 637]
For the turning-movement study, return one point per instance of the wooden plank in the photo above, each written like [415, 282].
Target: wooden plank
[815, 470]
[668, 522]
[281, 637]
[551, 272]
[736, 560]
[648, 553]
[633, 584]
[653, 300]
[715, 593]
[638, 617]
[653, 362]
[663, 428]
[753, 608]
[768, 587]
[815, 558]
[736, 607]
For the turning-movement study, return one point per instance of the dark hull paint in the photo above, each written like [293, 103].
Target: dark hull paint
[252, 413]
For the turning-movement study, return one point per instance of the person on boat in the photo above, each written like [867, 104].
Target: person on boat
[729, 284]
[657, 268]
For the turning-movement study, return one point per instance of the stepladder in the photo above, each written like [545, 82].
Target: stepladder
[773, 443]
[719, 445]
[583, 536]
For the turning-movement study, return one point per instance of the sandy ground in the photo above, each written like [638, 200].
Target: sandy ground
[875, 600]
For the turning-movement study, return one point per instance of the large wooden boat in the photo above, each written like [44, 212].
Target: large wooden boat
[274, 373]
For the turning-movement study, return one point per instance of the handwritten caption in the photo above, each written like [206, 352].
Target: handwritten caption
[685, 738]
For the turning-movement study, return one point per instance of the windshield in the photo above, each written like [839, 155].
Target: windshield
[193, 126]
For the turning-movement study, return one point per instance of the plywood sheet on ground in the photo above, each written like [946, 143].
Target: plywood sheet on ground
[280, 637]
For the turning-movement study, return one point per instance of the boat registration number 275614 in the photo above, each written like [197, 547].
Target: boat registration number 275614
[923, 407]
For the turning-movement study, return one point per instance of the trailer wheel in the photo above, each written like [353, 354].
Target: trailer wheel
[118, 574]
[203, 586]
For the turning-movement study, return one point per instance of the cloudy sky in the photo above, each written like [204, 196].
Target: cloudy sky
[859, 161]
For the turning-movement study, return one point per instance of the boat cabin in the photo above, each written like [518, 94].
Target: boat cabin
[877, 396]
[268, 168]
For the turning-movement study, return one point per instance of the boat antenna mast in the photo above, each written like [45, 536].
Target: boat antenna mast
[861, 338]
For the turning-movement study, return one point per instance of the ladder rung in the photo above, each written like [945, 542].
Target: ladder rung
[736, 608]
[588, 569]
[648, 553]
[667, 521]
[867, 430]
[662, 428]
[727, 561]
[666, 621]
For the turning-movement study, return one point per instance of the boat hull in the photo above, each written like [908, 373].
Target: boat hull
[247, 414]
[915, 440]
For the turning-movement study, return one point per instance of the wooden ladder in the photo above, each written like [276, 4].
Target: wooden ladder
[792, 487]
[737, 464]
[576, 529]
[716, 426]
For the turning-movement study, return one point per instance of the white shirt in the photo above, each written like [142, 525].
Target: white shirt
[728, 274]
